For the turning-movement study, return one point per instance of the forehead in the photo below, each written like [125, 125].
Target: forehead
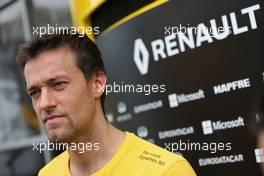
[59, 61]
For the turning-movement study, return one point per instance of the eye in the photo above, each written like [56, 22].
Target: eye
[59, 85]
[34, 94]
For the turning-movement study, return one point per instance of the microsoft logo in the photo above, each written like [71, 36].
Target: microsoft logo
[173, 101]
[176, 99]
[210, 126]
[207, 127]
[259, 153]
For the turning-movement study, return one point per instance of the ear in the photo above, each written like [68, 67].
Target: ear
[99, 84]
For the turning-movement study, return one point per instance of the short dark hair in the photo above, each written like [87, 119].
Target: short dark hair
[88, 56]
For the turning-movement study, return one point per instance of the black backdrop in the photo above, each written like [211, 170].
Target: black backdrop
[191, 77]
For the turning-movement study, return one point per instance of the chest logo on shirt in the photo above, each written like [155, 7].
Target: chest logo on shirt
[152, 157]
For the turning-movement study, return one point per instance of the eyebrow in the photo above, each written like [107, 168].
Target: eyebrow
[49, 81]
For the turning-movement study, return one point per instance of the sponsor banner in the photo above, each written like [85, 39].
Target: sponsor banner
[192, 72]
[210, 126]
[176, 132]
[226, 159]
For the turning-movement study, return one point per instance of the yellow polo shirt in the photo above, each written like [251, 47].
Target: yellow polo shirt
[135, 157]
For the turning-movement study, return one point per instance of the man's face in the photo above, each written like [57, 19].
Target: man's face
[62, 98]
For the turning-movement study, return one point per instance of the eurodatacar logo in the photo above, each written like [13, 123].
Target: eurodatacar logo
[210, 126]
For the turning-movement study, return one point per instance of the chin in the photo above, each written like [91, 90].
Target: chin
[59, 137]
[54, 136]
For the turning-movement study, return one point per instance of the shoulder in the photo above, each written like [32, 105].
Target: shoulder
[164, 161]
[182, 168]
[146, 148]
[56, 166]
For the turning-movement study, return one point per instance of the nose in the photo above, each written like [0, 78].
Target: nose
[47, 101]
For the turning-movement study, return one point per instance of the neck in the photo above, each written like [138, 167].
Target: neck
[97, 146]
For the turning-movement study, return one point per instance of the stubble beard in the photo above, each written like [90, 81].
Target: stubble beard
[63, 135]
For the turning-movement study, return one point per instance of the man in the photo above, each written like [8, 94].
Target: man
[65, 78]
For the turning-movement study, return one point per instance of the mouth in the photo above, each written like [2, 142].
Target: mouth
[52, 118]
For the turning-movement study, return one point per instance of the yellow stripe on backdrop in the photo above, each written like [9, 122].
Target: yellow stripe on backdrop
[136, 13]
[82, 9]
